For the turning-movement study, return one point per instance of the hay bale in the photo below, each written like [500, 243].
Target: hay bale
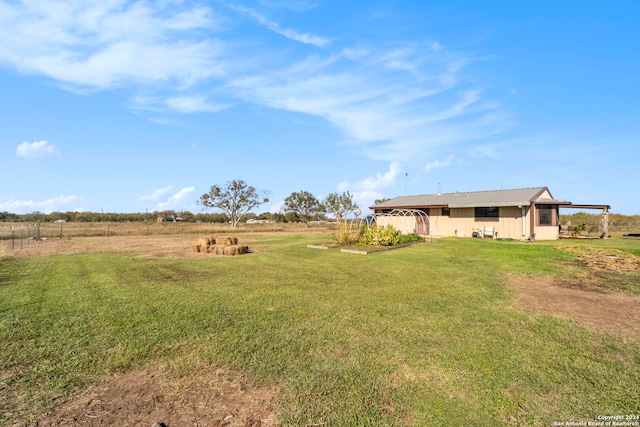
[206, 241]
[223, 245]
[226, 240]
[235, 250]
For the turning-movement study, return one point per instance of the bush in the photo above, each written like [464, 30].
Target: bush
[379, 236]
[344, 236]
[410, 238]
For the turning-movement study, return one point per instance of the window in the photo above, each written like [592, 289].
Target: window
[446, 212]
[547, 215]
[487, 213]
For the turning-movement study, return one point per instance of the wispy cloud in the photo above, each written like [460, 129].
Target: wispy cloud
[59, 203]
[178, 200]
[439, 164]
[156, 195]
[193, 104]
[167, 198]
[393, 111]
[395, 102]
[97, 45]
[36, 149]
[306, 38]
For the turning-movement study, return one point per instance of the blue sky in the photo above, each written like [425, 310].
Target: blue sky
[128, 106]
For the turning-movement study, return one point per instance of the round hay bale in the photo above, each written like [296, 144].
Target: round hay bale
[202, 241]
[197, 248]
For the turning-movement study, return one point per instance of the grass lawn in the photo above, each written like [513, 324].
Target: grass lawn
[424, 335]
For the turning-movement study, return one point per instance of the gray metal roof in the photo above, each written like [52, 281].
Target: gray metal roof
[516, 197]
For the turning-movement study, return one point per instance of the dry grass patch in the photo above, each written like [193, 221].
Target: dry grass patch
[605, 259]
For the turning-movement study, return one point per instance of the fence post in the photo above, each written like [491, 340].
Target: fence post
[36, 233]
[13, 239]
[61, 229]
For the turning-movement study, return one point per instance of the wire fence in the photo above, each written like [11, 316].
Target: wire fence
[17, 236]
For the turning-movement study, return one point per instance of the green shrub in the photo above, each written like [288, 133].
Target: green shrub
[379, 236]
[410, 238]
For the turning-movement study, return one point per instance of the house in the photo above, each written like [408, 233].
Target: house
[523, 214]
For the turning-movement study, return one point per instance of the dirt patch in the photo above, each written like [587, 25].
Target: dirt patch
[607, 311]
[594, 297]
[162, 246]
[157, 395]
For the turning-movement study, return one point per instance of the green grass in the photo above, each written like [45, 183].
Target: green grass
[424, 335]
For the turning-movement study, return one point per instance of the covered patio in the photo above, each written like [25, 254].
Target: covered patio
[604, 221]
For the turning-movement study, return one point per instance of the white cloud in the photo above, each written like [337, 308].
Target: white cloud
[367, 190]
[98, 45]
[167, 198]
[179, 199]
[439, 164]
[59, 203]
[156, 195]
[36, 149]
[193, 104]
[397, 104]
[376, 182]
[305, 38]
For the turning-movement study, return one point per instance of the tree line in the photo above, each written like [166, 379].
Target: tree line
[234, 201]
[592, 222]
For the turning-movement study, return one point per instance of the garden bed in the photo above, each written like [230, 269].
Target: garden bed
[361, 250]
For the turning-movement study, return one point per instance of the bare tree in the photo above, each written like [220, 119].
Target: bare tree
[236, 198]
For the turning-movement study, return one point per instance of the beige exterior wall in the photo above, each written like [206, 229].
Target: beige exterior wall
[406, 224]
[462, 222]
[547, 232]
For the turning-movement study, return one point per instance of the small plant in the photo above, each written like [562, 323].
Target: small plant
[344, 235]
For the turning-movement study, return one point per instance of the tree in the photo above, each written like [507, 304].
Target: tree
[304, 204]
[340, 205]
[236, 198]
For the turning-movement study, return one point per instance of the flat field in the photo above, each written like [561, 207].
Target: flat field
[137, 329]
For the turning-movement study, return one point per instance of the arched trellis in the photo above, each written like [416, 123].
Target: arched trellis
[405, 220]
